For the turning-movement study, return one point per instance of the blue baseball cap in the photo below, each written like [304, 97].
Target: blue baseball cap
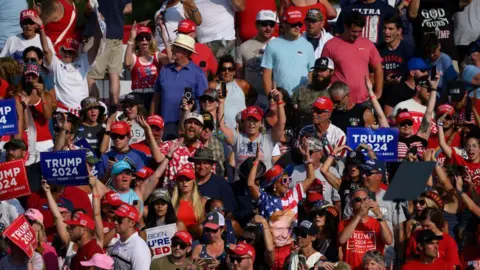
[121, 166]
[474, 46]
[417, 63]
[373, 165]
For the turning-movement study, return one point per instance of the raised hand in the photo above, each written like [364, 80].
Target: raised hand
[45, 186]
[133, 31]
[174, 146]
[142, 123]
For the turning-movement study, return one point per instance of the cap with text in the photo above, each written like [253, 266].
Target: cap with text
[324, 104]
[267, 15]
[186, 26]
[292, 15]
[127, 211]
[184, 236]
[120, 128]
[156, 120]
[27, 14]
[81, 219]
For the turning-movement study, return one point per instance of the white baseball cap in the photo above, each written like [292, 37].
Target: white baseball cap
[267, 15]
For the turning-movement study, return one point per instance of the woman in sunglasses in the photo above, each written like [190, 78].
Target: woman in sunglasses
[213, 253]
[232, 227]
[239, 92]
[144, 61]
[428, 199]
[325, 218]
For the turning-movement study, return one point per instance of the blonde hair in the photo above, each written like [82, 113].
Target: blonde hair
[430, 203]
[277, 215]
[197, 204]
[8, 68]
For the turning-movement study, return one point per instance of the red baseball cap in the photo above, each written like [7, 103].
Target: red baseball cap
[315, 192]
[156, 120]
[186, 26]
[184, 236]
[144, 173]
[120, 127]
[127, 211]
[28, 14]
[81, 219]
[143, 30]
[112, 198]
[445, 108]
[252, 111]
[71, 44]
[323, 103]
[292, 15]
[188, 173]
[403, 116]
[242, 249]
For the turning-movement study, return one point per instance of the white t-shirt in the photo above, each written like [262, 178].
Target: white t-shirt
[417, 111]
[217, 20]
[329, 193]
[323, 39]
[131, 254]
[71, 85]
[15, 46]
[172, 16]
[467, 24]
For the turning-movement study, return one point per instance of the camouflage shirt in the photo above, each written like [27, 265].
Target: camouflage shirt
[304, 96]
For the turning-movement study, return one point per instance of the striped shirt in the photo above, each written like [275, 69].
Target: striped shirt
[334, 136]
[405, 144]
[268, 204]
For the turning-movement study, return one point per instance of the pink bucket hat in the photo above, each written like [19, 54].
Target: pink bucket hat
[102, 261]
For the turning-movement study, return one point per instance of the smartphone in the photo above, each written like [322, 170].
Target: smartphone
[433, 72]
[223, 85]
[372, 196]
[468, 110]
[28, 88]
[135, 202]
[188, 94]
[113, 159]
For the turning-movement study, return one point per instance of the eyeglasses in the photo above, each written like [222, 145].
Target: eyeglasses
[267, 23]
[178, 243]
[449, 117]
[295, 25]
[337, 102]
[231, 69]
[369, 173]
[236, 259]
[360, 199]
[208, 230]
[421, 202]
[406, 123]
[117, 136]
[143, 37]
[246, 240]
[286, 180]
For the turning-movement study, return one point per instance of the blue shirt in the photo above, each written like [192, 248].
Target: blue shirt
[171, 85]
[10, 18]
[134, 156]
[468, 74]
[290, 62]
[444, 64]
[112, 11]
[218, 188]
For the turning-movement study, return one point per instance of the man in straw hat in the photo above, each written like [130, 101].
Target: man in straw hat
[175, 80]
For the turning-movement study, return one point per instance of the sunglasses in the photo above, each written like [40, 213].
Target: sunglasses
[209, 100]
[369, 173]
[119, 220]
[319, 213]
[295, 25]
[360, 199]
[27, 22]
[267, 23]
[231, 69]
[30, 59]
[246, 240]
[236, 259]
[406, 123]
[143, 37]
[421, 202]
[317, 111]
[218, 209]
[286, 180]
[117, 136]
[302, 234]
[69, 52]
[208, 230]
[178, 243]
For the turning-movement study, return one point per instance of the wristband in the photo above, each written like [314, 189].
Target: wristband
[41, 27]
[107, 133]
[440, 123]
[130, 42]
[310, 161]
[194, 10]
[96, 196]
[373, 97]
[168, 157]
[380, 219]
[255, 163]
[461, 192]
[280, 102]
[333, 156]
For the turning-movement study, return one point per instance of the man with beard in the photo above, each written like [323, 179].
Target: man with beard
[249, 55]
[178, 259]
[209, 184]
[189, 144]
[304, 96]
[315, 33]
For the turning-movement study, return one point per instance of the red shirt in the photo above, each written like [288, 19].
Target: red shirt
[78, 197]
[145, 75]
[54, 30]
[245, 20]
[472, 168]
[3, 88]
[281, 253]
[447, 248]
[438, 264]
[41, 123]
[366, 236]
[433, 141]
[85, 253]
[186, 213]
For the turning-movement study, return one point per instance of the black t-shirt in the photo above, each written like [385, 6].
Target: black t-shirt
[435, 16]
[350, 118]
[93, 135]
[397, 94]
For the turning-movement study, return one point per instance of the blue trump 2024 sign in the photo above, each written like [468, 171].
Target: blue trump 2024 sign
[384, 141]
[8, 117]
[65, 167]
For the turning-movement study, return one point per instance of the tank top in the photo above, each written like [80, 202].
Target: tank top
[305, 9]
[203, 254]
[41, 124]
[145, 75]
[59, 31]
[234, 103]
[172, 16]
[186, 214]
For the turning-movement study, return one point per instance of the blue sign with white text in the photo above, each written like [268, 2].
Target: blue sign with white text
[8, 117]
[64, 167]
[383, 141]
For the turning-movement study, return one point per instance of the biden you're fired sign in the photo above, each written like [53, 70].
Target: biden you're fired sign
[65, 167]
[158, 239]
[383, 141]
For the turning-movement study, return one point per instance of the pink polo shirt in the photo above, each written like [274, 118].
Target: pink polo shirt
[352, 62]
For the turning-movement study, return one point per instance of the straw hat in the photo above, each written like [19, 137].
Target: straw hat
[186, 42]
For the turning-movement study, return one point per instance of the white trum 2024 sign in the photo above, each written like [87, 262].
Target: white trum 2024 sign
[65, 167]
[383, 141]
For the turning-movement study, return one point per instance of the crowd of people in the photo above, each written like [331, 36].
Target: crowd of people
[237, 132]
